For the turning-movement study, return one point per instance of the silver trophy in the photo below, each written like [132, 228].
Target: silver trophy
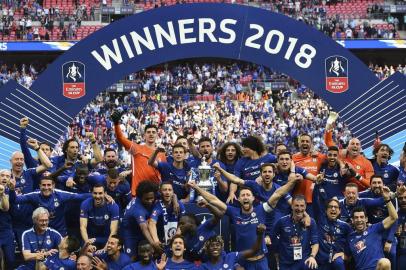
[332, 118]
[204, 178]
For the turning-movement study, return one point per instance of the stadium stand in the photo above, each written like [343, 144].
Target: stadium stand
[247, 122]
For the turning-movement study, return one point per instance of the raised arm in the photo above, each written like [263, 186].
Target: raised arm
[283, 190]
[255, 248]
[152, 160]
[98, 157]
[229, 176]
[45, 163]
[115, 117]
[192, 148]
[212, 199]
[393, 215]
[83, 229]
[30, 162]
[4, 202]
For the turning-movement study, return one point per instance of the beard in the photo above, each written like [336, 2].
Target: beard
[111, 164]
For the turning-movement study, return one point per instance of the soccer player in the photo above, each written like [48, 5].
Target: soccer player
[297, 245]
[332, 232]
[54, 200]
[46, 147]
[140, 153]
[71, 154]
[84, 262]
[175, 172]
[187, 143]
[39, 242]
[98, 218]
[165, 215]
[134, 227]
[262, 191]
[61, 259]
[110, 161]
[248, 167]
[279, 147]
[218, 260]
[360, 166]
[177, 261]
[229, 153]
[285, 167]
[25, 181]
[116, 186]
[389, 173]
[112, 258]
[351, 200]
[377, 214]
[118, 189]
[363, 242]
[247, 217]
[7, 245]
[219, 185]
[311, 161]
[195, 234]
[145, 254]
[334, 177]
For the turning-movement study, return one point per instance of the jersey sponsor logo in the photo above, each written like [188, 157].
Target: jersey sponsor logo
[336, 68]
[201, 238]
[253, 214]
[48, 241]
[73, 77]
[106, 217]
[386, 175]
[335, 174]
[22, 181]
[225, 265]
[56, 204]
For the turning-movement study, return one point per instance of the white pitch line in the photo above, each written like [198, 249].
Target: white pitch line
[369, 123]
[37, 109]
[384, 134]
[369, 105]
[61, 130]
[354, 101]
[380, 124]
[372, 109]
[32, 126]
[44, 107]
[12, 135]
[42, 138]
[50, 103]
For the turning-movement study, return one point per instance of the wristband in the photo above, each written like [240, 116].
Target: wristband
[387, 201]
[93, 142]
[311, 255]
[37, 149]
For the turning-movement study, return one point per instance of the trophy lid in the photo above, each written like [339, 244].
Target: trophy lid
[204, 165]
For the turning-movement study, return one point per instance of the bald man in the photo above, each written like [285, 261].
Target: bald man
[357, 166]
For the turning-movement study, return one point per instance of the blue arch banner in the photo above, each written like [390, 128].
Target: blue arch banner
[205, 30]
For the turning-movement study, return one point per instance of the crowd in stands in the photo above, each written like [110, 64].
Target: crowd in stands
[325, 205]
[352, 21]
[29, 20]
[120, 189]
